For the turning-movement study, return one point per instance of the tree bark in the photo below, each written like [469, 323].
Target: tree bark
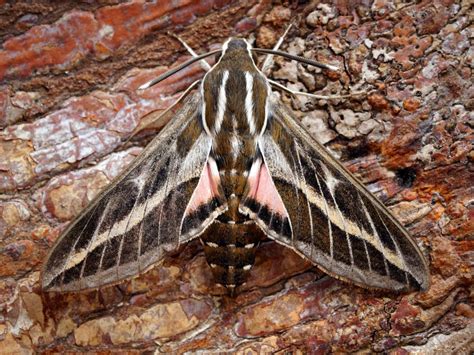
[69, 102]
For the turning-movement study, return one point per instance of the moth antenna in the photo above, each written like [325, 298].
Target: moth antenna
[267, 63]
[322, 97]
[204, 65]
[297, 58]
[177, 69]
[152, 117]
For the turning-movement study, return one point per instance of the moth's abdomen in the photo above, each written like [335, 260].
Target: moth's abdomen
[230, 251]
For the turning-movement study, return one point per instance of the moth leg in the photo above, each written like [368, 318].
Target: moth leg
[322, 97]
[204, 65]
[161, 117]
[268, 62]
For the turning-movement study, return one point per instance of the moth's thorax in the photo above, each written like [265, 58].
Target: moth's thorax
[234, 112]
[234, 94]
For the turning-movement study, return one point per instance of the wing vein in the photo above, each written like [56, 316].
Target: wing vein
[369, 264]
[397, 247]
[374, 230]
[310, 215]
[326, 208]
[71, 252]
[132, 211]
[96, 232]
[173, 171]
[331, 182]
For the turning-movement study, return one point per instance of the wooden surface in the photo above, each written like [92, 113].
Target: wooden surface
[68, 103]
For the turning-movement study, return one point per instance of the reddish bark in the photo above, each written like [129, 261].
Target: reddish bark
[68, 102]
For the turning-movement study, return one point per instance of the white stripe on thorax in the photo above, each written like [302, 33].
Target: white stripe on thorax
[221, 102]
[236, 146]
[249, 102]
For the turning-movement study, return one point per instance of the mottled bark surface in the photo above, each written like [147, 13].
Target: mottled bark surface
[68, 102]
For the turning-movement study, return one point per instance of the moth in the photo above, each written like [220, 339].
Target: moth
[235, 166]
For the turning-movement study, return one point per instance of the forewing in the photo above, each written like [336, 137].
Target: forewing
[148, 211]
[334, 221]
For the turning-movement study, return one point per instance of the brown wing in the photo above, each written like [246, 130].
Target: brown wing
[148, 211]
[330, 218]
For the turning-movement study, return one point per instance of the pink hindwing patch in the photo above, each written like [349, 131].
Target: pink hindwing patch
[262, 189]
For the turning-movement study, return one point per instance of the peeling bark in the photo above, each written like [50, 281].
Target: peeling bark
[68, 103]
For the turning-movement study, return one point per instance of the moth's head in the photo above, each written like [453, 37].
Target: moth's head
[235, 47]
[236, 44]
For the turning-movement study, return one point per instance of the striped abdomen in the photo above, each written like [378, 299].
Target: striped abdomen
[230, 250]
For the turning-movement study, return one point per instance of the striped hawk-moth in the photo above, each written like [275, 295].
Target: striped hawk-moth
[233, 166]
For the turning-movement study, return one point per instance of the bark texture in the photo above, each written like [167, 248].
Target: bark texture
[69, 75]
